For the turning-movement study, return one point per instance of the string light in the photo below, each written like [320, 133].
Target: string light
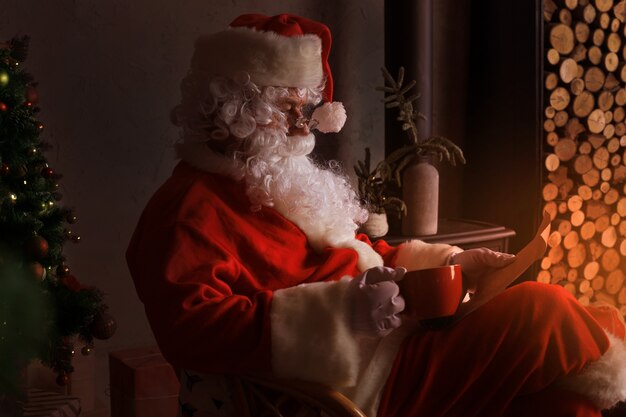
[13, 197]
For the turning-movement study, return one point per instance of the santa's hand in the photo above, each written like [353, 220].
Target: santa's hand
[477, 262]
[376, 301]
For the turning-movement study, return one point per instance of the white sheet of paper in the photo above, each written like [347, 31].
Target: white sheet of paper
[497, 281]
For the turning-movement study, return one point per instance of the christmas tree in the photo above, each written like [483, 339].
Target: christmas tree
[44, 309]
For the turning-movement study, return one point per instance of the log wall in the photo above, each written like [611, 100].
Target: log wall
[584, 127]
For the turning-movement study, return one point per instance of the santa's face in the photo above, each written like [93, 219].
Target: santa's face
[296, 107]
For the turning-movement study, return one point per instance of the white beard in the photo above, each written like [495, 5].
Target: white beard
[280, 174]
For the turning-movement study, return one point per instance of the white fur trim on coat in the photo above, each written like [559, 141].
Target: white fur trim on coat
[368, 257]
[311, 340]
[416, 254]
[311, 337]
[269, 58]
[377, 357]
[602, 381]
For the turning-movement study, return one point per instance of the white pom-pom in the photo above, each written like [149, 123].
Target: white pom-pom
[330, 117]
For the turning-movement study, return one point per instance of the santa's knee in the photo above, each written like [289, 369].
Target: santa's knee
[539, 311]
[537, 297]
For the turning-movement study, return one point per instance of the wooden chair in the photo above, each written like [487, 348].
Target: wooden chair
[266, 396]
[255, 396]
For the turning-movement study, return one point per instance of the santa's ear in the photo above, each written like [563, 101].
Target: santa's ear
[329, 117]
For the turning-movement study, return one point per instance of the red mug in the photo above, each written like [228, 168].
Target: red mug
[432, 293]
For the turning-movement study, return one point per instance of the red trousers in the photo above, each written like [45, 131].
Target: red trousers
[501, 359]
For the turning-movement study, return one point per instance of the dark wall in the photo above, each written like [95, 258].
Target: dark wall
[502, 179]
[485, 88]
[431, 40]
[451, 37]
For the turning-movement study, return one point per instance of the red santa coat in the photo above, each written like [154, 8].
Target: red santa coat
[227, 290]
[222, 284]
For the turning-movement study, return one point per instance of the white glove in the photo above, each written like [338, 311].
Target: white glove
[376, 301]
[479, 261]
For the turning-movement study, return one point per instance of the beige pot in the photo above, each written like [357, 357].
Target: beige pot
[420, 192]
[376, 225]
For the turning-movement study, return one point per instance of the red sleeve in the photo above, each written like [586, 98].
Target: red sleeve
[385, 250]
[185, 280]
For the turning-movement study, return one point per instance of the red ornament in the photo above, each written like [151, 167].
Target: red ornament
[32, 95]
[3, 107]
[37, 247]
[103, 326]
[4, 170]
[47, 172]
[38, 271]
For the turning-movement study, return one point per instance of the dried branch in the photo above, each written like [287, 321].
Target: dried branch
[374, 183]
[396, 99]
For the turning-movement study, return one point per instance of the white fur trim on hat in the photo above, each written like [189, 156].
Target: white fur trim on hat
[269, 58]
[330, 117]
[311, 337]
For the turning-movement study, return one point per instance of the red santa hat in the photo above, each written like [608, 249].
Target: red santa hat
[281, 51]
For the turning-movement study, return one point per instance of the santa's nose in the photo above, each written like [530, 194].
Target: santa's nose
[298, 124]
[298, 131]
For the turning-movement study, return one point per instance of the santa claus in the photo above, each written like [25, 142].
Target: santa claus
[247, 260]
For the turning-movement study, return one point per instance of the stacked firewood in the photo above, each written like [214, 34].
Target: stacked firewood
[585, 142]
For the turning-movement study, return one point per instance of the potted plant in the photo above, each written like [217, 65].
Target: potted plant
[414, 161]
[409, 168]
[374, 193]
